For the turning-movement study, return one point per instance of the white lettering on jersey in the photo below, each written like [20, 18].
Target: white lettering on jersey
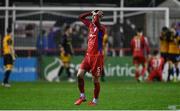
[92, 35]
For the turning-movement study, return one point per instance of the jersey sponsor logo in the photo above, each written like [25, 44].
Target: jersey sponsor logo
[92, 35]
[95, 29]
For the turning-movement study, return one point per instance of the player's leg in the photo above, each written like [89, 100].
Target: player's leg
[136, 65]
[176, 71]
[69, 75]
[8, 69]
[160, 75]
[143, 71]
[103, 76]
[96, 82]
[80, 76]
[170, 70]
[61, 70]
[8, 63]
[151, 76]
[176, 68]
[137, 73]
[96, 69]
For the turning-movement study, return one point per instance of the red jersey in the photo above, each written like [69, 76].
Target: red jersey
[157, 64]
[138, 46]
[96, 34]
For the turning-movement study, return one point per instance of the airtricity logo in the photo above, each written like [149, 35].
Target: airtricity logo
[51, 70]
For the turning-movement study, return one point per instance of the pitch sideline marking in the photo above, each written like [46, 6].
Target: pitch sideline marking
[173, 107]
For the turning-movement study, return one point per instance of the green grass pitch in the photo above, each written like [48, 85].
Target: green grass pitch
[114, 95]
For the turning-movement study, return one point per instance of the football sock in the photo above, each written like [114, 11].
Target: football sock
[68, 72]
[170, 72]
[177, 72]
[96, 90]
[6, 76]
[60, 71]
[143, 71]
[82, 95]
[94, 100]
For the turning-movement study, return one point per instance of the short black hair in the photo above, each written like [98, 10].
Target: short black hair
[66, 28]
[155, 52]
[96, 11]
[164, 29]
[139, 30]
[9, 30]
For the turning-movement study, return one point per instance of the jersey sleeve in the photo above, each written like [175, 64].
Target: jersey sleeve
[83, 18]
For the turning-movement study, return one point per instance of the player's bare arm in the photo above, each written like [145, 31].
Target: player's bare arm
[83, 18]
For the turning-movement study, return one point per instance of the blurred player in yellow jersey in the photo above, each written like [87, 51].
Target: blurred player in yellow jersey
[65, 59]
[105, 51]
[164, 45]
[66, 52]
[9, 57]
[173, 54]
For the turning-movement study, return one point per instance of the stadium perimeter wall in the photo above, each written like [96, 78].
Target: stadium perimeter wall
[33, 69]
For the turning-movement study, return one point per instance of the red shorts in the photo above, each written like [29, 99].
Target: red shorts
[155, 74]
[93, 64]
[139, 60]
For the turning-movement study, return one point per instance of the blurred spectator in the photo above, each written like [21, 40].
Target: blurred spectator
[29, 30]
[77, 39]
[42, 42]
[51, 39]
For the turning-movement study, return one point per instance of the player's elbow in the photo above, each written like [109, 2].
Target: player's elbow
[81, 17]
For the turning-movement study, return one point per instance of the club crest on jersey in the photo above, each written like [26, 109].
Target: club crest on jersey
[95, 29]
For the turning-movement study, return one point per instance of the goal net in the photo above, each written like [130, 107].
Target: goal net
[41, 28]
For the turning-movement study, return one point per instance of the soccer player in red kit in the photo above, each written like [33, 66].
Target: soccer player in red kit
[139, 47]
[156, 67]
[93, 60]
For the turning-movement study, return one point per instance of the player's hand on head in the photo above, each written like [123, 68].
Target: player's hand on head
[97, 12]
[100, 13]
[94, 12]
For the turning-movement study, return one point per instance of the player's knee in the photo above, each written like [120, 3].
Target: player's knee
[95, 79]
[80, 73]
[8, 67]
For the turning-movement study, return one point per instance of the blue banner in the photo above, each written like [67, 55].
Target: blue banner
[25, 69]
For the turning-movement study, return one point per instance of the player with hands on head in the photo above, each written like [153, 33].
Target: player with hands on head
[94, 59]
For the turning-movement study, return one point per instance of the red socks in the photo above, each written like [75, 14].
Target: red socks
[143, 71]
[96, 90]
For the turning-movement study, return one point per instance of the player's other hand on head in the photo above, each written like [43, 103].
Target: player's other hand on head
[100, 13]
[94, 12]
[97, 12]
